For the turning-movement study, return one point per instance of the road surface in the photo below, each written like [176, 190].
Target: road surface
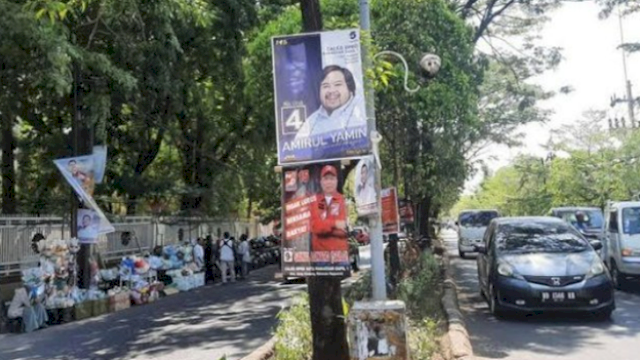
[206, 323]
[544, 337]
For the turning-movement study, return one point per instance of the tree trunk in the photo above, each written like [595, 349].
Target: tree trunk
[132, 204]
[327, 323]
[394, 259]
[424, 211]
[311, 15]
[325, 295]
[9, 205]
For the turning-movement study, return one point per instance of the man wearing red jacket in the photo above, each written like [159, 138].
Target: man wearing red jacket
[329, 215]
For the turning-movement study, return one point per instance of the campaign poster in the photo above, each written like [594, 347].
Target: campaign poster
[405, 208]
[364, 187]
[319, 97]
[88, 226]
[315, 222]
[390, 218]
[99, 162]
[79, 175]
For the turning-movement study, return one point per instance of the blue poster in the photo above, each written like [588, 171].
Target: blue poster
[319, 97]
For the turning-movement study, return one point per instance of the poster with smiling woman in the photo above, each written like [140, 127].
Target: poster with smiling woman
[319, 97]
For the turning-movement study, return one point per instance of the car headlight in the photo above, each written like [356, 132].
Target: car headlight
[507, 270]
[596, 269]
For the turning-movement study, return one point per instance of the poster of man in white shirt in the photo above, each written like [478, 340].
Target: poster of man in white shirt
[319, 97]
[365, 190]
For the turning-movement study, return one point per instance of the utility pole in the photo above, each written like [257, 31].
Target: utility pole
[82, 144]
[328, 326]
[379, 282]
[628, 88]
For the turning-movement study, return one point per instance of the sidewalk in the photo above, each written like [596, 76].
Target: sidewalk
[206, 323]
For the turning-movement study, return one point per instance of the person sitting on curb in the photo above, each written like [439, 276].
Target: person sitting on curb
[27, 305]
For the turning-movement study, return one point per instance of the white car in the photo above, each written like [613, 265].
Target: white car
[471, 227]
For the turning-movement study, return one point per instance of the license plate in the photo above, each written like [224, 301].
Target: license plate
[558, 296]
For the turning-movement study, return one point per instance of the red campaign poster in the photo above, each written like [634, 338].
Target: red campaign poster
[390, 218]
[314, 218]
[406, 212]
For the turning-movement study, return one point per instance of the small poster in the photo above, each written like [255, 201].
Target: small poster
[406, 212]
[364, 187]
[390, 217]
[315, 224]
[88, 226]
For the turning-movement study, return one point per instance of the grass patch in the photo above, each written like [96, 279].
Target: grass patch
[420, 288]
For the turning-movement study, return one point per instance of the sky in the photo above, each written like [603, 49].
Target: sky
[591, 65]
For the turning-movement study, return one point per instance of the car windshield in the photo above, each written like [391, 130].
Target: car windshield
[477, 218]
[631, 220]
[538, 237]
[593, 219]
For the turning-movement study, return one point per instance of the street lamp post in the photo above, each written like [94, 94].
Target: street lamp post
[429, 63]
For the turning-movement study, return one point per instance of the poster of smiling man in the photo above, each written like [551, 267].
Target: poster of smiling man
[319, 97]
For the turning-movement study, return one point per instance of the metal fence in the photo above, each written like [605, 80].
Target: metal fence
[16, 234]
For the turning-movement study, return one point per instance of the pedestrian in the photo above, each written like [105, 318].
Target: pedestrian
[227, 258]
[198, 254]
[245, 251]
[209, 259]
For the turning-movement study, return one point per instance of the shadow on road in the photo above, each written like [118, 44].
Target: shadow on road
[233, 319]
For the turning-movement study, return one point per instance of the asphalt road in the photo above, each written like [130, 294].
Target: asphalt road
[206, 323]
[544, 336]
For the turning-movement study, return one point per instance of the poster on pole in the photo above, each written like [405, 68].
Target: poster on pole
[319, 97]
[364, 187]
[314, 222]
[88, 226]
[79, 172]
[390, 217]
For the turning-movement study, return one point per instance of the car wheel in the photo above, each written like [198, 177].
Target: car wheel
[494, 306]
[617, 277]
[604, 314]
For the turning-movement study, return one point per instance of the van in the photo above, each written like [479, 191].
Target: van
[622, 234]
[471, 227]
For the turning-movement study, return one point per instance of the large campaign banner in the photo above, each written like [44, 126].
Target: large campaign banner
[390, 217]
[364, 187]
[319, 97]
[314, 222]
[80, 173]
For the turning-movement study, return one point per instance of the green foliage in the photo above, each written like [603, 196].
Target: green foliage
[423, 337]
[422, 291]
[588, 166]
[293, 333]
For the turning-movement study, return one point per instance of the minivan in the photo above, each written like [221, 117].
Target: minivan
[622, 233]
[471, 227]
[592, 227]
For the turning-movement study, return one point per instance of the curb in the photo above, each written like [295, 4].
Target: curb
[458, 337]
[264, 352]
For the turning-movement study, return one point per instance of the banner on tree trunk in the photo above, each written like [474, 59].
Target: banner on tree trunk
[319, 97]
[390, 217]
[314, 222]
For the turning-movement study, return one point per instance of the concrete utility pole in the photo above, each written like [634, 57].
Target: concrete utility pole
[379, 282]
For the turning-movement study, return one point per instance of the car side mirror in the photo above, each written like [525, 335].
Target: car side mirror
[457, 223]
[480, 248]
[596, 244]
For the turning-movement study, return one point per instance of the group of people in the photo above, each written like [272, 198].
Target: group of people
[227, 254]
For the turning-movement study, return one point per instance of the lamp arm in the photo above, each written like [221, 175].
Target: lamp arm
[406, 68]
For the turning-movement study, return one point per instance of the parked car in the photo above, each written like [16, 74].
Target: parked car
[472, 225]
[536, 264]
[622, 233]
